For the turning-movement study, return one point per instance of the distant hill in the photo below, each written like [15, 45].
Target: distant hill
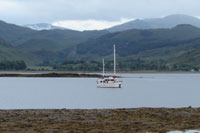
[17, 35]
[48, 44]
[43, 26]
[146, 44]
[4, 43]
[14, 34]
[166, 22]
[178, 45]
[191, 57]
[8, 52]
[44, 44]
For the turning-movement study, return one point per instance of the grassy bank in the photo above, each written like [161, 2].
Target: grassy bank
[104, 120]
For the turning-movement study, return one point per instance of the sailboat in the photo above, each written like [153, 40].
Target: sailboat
[109, 81]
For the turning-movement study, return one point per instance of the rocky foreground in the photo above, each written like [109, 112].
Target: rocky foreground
[105, 120]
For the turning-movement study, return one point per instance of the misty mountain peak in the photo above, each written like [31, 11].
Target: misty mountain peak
[155, 23]
[179, 16]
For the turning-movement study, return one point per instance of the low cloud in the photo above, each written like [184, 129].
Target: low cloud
[90, 24]
[92, 11]
[197, 17]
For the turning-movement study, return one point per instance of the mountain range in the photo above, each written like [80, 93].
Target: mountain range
[170, 38]
[155, 23]
[146, 44]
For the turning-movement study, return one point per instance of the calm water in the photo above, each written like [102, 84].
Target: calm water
[139, 90]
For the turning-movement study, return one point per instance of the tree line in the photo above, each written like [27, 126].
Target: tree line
[13, 65]
[124, 65]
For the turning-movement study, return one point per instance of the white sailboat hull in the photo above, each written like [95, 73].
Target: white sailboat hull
[110, 85]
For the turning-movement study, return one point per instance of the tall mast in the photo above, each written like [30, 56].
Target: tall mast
[103, 67]
[114, 60]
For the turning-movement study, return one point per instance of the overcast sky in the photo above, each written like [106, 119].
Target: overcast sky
[91, 14]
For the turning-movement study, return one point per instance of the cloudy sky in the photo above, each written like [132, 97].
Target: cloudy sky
[91, 14]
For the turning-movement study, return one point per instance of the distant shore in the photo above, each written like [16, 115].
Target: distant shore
[80, 74]
[50, 74]
[100, 120]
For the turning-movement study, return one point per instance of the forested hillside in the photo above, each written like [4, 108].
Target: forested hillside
[137, 49]
[143, 43]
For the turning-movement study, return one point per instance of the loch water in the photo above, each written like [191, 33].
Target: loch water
[139, 90]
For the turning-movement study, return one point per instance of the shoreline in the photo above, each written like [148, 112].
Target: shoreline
[100, 120]
[87, 75]
[76, 74]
